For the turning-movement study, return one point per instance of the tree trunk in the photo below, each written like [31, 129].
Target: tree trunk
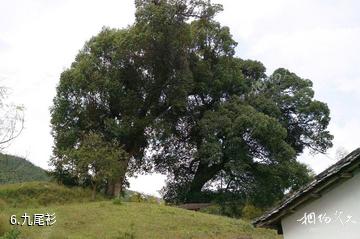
[203, 174]
[115, 186]
[118, 187]
[110, 188]
[93, 196]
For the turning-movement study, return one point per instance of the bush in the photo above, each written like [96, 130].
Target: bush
[117, 201]
[226, 209]
[213, 209]
[232, 209]
[250, 212]
[137, 197]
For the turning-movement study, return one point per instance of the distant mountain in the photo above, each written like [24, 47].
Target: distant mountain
[16, 170]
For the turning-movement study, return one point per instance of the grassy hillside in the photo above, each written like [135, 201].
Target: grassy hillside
[36, 194]
[15, 170]
[105, 219]
[135, 220]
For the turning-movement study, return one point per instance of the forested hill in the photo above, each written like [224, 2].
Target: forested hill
[15, 170]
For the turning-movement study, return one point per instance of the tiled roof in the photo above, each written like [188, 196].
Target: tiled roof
[341, 170]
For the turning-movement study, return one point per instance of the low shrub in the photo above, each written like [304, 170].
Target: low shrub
[250, 212]
[213, 209]
[230, 209]
[137, 197]
[117, 201]
[143, 198]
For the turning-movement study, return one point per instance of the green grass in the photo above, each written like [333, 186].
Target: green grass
[105, 219]
[34, 194]
[135, 220]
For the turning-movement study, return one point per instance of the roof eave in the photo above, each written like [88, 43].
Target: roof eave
[335, 174]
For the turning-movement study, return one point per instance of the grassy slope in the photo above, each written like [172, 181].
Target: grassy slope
[107, 220]
[104, 219]
[35, 194]
[15, 169]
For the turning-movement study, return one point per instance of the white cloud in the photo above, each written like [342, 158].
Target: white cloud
[148, 184]
[43, 40]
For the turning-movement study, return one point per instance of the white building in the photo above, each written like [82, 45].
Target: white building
[327, 208]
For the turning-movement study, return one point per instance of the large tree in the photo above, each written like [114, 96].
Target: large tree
[241, 128]
[121, 82]
[171, 85]
[247, 140]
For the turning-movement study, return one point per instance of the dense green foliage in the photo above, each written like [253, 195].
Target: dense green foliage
[171, 85]
[242, 130]
[16, 170]
[119, 84]
[97, 160]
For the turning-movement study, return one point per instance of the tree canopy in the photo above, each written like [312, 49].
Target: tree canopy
[97, 160]
[170, 90]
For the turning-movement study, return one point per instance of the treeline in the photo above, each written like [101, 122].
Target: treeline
[16, 170]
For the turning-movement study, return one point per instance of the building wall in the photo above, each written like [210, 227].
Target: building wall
[337, 215]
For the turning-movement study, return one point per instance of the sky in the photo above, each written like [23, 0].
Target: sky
[317, 40]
